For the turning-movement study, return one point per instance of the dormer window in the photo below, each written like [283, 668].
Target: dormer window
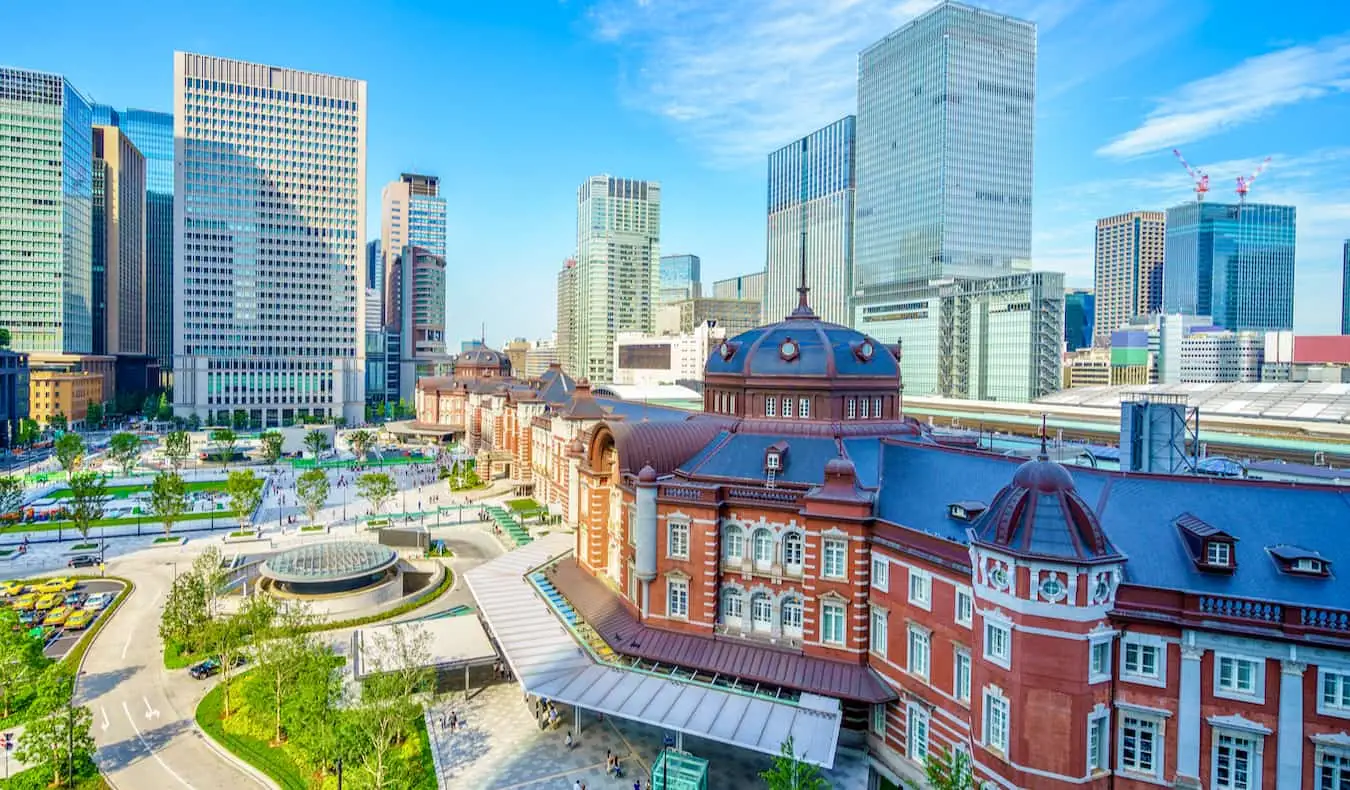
[1307, 566]
[773, 461]
[1219, 553]
[1211, 549]
[966, 510]
[1298, 561]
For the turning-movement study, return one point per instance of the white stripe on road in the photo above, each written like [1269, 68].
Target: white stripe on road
[152, 753]
[127, 646]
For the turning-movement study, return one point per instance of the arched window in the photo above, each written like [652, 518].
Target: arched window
[793, 549]
[792, 617]
[763, 546]
[733, 544]
[732, 606]
[761, 612]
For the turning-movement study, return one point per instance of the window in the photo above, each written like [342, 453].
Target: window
[773, 461]
[965, 608]
[787, 406]
[1306, 565]
[961, 673]
[995, 720]
[677, 599]
[1142, 661]
[1237, 677]
[1099, 660]
[916, 733]
[919, 647]
[733, 605]
[852, 408]
[792, 617]
[834, 559]
[734, 544]
[804, 408]
[1140, 745]
[998, 643]
[877, 635]
[763, 544]
[879, 720]
[1333, 769]
[1218, 553]
[792, 550]
[920, 588]
[832, 624]
[1236, 762]
[1334, 699]
[876, 407]
[1096, 742]
[761, 612]
[677, 541]
[881, 573]
[864, 408]
[771, 406]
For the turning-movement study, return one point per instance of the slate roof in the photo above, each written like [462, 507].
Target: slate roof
[1139, 513]
[601, 609]
[824, 350]
[661, 444]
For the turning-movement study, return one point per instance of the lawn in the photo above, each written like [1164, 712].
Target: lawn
[526, 505]
[122, 492]
[43, 526]
[86, 778]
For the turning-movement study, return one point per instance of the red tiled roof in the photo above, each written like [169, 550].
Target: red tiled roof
[664, 445]
[761, 664]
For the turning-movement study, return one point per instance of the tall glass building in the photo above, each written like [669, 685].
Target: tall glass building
[1080, 309]
[811, 192]
[46, 205]
[269, 227]
[679, 278]
[412, 213]
[1234, 262]
[152, 134]
[119, 243]
[1345, 288]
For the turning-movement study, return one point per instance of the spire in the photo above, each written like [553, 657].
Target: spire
[803, 308]
[1045, 454]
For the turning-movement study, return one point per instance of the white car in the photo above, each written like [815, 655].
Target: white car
[98, 601]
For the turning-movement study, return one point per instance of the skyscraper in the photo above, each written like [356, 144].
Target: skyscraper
[1234, 262]
[944, 170]
[1079, 315]
[679, 278]
[1345, 288]
[412, 212]
[118, 244]
[811, 190]
[269, 227]
[419, 314]
[567, 316]
[1127, 269]
[46, 189]
[618, 268]
[152, 134]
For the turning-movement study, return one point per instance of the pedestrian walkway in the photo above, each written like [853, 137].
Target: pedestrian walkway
[508, 525]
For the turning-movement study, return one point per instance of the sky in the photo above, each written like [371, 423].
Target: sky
[513, 104]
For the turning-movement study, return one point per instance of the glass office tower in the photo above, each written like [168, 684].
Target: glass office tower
[679, 278]
[1234, 262]
[811, 191]
[152, 134]
[46, 196]
[1345, 288]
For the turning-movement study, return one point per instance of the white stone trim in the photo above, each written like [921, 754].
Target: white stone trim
[1258, 695]
[1144, 641]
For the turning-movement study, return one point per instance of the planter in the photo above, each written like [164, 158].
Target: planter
[167, 541]
[11, 554]
[244, 536]
[313, 529]
[84, 547]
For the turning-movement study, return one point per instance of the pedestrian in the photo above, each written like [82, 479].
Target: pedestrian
[569, 741]
[576, 785]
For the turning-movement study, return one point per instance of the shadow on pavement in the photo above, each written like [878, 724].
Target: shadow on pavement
[96, 684]
[128, 752]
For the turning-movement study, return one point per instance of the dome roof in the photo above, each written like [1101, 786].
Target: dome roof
[332, 561]
[1040, 514]
[803, 345]
[481, 357]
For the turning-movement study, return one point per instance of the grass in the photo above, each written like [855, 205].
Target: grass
[8, 552]
[175, 658]
[122, 492]
[243, 533]
[525, 505]
[275, 762]
[84, 546]
[45, 526]
[313, 528]
[168, 539]
[86, 778]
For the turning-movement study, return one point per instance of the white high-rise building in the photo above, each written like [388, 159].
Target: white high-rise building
[269, 242]
[618, 269]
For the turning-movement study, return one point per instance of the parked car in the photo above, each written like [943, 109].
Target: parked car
[48, 601]
[57, 585]
[98, 601]
[211, 666]
[82, 561]
[57, 616]
[72, 599]
[13, 587]
[80, 618]
[25, 602]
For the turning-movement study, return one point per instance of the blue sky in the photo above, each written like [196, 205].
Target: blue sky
[513, 104]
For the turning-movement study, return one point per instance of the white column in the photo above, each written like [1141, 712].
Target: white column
[1289, 744]
[1188, 718]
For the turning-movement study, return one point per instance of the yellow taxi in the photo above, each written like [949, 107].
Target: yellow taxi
[13, 587]
[57, 616]
[48, 601]
[25, 602]
[59, 584]
[80, 618]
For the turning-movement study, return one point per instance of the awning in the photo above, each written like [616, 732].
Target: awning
[455, 643]
[551, 663]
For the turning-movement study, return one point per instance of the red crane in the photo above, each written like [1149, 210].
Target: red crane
[1244, 184]
[1200, 177]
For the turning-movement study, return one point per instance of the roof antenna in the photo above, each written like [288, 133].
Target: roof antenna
[1045, 455]
[803, 308]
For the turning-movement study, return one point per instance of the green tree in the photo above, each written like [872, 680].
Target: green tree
[312, 715]
[124, 449]
[789, 773]
[11, 493]
[399, 671]
[246, 492]
[183, 619]
[69, 450]
[316, 441]
[177, 445]
[376, 488]
[29, 431]
[20, 655]
[149, 407]
[58, 422]
[88, 495]
[271, 447]
[194, 422]
[312, 490]
[228, 638]
[949, 769]
[57, 735]
[93, 415]
[4, 338]
[225, 439]
[281, 649]
[361, 441]
[163, 409]
[239, 419]
[168, 499]
[208, 567]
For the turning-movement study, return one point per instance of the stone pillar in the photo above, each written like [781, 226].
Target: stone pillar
[1188, 718]
[645, 528]
[1289, 745]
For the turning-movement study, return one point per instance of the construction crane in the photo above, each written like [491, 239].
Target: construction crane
[1245, 184]
[1200, 177]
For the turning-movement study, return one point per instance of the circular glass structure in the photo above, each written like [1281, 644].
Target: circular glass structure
[328, 568]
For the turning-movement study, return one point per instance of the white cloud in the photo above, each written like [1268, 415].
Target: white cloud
[1239, 95]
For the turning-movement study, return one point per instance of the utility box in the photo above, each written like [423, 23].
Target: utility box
[1155, 429]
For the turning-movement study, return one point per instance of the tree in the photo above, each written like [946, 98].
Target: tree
[312, 491]
[312, 715]
[20, 655]
[163, 409]
[271, 447]
[246, 492]
[4, 338]
[11, 493]
[124, 449]
[88, 495]
[57, 735]
[361, 442]
[58, 422]
[789, 773]
[281, 650]
[226, 439]
[185, 615]
[28, 432]
[208, 568]
[949, 769]
[229, 638]
[398, 671]
[194, 422]
[376, 488]
[316, 441]
[177, 445]
[93, 415]
[168, 499]
[69, 450]
[239, 419]
[149, 407]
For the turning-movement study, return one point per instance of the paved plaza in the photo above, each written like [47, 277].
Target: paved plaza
[502, 748]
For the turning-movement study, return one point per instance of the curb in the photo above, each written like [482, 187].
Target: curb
[229, 757]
